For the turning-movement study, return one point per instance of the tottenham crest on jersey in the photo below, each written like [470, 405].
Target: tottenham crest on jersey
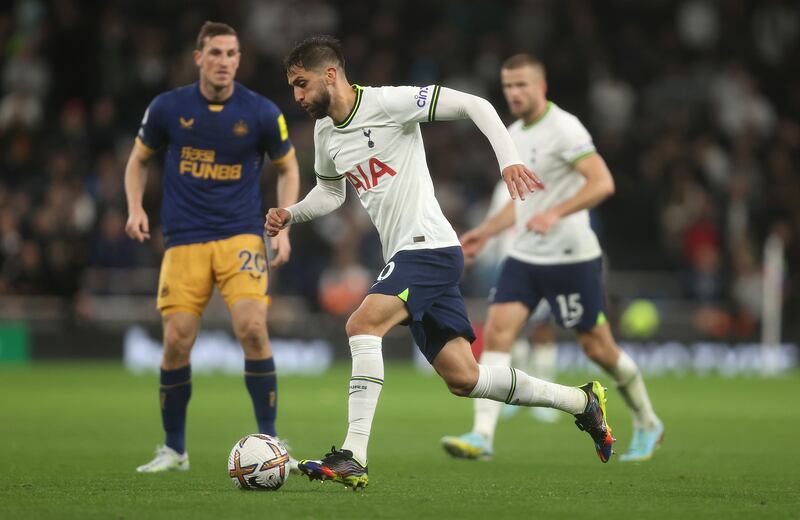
[367, 134]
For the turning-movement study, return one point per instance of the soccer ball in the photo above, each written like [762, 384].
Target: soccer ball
[258, 461]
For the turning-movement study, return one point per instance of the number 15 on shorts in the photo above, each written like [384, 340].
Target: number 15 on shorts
[570, 308]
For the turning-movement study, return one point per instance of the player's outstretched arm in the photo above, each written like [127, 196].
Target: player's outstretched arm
[453, 104]
[288, 190]
[138, 226]
[324, 198]
[599, 186]
[472, 241]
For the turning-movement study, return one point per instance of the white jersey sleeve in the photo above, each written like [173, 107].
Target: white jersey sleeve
[576, 142]
[420, 104]
[410, 104]
[329, 193]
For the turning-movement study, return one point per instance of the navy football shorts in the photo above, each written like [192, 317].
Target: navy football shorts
[574, 291]
[427, 281]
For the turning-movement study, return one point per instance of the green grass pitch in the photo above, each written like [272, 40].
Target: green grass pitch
[71, 436]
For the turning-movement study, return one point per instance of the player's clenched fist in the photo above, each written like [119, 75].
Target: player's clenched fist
[277, 218]
[520, 180]
[138, 226]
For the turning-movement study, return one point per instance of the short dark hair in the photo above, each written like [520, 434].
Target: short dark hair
[524, 60]
[315, 52]
[211, 29]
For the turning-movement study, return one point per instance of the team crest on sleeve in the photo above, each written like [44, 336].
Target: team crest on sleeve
[240, 128]
[186, 124]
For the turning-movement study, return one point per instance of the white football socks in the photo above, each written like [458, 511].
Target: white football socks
[631, 386]
[365, 388]
[509, 385]
[486, 410]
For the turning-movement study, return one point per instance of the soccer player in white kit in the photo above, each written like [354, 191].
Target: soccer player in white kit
[536, 354]
[370, 137]
[555, 256]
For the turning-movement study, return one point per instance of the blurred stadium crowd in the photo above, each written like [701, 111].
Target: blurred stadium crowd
[694, 104]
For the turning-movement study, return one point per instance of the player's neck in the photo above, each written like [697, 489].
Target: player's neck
[535, 115]
[216, 95]
[342, 103]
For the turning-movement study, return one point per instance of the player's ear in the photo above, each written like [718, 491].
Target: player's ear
[197, 55]
[330, 75]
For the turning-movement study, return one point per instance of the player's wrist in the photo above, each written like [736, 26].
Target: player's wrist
[557, 212]
[485, 231]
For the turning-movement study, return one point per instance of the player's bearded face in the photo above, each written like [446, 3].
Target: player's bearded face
[317, 105]
[310, 91]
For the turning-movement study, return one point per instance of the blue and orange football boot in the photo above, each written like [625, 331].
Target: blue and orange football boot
[593, 420]
[338, 466]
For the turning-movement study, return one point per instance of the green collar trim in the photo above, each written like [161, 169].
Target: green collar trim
[533, 123]
[359, 92]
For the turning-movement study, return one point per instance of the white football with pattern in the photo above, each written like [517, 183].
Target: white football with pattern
[258, 462]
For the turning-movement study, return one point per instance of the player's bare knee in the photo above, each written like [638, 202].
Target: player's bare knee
[497, 340]
[178, 339]
[252, 334]
[358, 324]
[462, 383]
[177, 350]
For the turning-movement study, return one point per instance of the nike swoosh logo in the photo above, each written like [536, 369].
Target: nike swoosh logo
[354, 392]
[333, 157]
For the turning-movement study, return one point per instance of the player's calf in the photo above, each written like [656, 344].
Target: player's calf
[457, 367]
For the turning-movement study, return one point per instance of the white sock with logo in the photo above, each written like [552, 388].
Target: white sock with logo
[631, 386]
[366, 383]
[509, 385]
[486, 410]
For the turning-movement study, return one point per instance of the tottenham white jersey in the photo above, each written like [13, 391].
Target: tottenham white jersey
[378, 148]
[550, 147]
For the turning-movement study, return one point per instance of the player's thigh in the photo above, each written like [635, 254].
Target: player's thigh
[503, 324]
[241, 268]
[186, 279]
[376, 315]
[575, 293]
[456, 364]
